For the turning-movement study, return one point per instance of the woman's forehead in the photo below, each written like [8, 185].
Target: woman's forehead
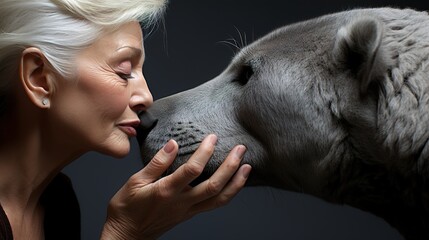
[127, 36]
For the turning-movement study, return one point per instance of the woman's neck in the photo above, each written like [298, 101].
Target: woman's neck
[30, 158]
[25, 170]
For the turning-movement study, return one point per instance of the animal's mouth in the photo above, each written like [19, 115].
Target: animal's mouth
[187, 135]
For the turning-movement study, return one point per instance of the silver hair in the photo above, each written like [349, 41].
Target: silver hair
[60, 28]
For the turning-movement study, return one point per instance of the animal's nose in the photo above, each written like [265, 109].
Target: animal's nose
[147, 123]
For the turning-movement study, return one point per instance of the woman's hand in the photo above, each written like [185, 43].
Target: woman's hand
[147, 206]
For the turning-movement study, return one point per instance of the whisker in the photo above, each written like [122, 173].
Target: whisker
[237, 45]
[232, 43]
[232, 39]
[229, 43]
[241, 37]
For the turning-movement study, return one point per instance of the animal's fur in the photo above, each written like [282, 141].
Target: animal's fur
[336, 107]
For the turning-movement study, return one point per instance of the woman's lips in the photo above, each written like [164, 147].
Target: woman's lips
[129, 128]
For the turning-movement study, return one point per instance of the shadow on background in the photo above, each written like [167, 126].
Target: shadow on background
[186, 50]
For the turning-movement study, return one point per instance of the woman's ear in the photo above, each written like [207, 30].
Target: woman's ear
[36, 76]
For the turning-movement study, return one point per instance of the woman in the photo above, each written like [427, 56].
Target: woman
[72, 82]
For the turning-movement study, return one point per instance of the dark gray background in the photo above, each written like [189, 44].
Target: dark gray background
[185, 51]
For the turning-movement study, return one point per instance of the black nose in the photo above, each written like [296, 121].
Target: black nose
[147, 123]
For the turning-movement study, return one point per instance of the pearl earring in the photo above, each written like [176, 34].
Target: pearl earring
[45, 101]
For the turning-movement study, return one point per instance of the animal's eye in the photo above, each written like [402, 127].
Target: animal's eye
[244, 74]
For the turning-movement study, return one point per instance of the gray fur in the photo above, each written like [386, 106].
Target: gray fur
[337, 107]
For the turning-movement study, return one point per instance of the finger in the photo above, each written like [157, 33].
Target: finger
[227, 194]
[186, 173]
[159, 163]
[216, 183]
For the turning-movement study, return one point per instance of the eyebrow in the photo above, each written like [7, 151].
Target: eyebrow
[137, 51]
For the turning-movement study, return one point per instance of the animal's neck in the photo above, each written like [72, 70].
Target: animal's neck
[386, 171]
[385, 192]
[403, 105]
[366, 172]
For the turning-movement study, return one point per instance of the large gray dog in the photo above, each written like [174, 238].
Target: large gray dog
[336, 107]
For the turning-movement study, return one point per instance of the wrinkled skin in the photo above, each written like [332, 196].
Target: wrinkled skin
[336, 107]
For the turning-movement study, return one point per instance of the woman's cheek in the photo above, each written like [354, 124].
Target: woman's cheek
[112, 97]
[116, 103]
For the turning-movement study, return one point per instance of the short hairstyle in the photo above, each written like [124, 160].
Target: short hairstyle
[60, 28]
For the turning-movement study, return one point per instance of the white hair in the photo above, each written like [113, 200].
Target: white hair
[60, 28]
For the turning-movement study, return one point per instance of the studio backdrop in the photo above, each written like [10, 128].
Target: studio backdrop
[188, 48]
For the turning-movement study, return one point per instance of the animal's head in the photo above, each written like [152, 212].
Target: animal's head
[301, 99]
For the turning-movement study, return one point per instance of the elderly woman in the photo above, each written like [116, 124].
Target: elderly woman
[72, 82]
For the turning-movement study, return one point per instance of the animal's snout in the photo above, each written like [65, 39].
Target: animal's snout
[147, 123]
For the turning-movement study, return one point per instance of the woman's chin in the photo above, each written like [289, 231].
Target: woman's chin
[118, 149]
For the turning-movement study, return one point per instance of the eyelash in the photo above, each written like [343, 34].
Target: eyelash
[125, 76]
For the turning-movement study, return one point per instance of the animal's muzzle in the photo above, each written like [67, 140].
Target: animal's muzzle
[147, 123]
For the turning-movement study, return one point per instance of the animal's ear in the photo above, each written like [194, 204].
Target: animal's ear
[358, 48]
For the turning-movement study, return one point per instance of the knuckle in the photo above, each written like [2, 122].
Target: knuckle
[158, 161]
[223, 200]
[192, 169]
[213, 187]
[163, 191]
[233, 165]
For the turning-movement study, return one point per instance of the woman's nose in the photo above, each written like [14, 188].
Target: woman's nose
[141, 98]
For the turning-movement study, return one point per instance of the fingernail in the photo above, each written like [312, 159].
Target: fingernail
[212, 139]
[246, 171]
[169, 147]
[239, 151]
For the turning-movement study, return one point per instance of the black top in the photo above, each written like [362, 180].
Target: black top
[62, 212]
[5, 230]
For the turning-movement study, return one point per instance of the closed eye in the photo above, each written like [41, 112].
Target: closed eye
[244, 74]
[125, 76]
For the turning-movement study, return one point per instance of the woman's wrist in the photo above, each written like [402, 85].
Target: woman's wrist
[120, 230]
[114, 230]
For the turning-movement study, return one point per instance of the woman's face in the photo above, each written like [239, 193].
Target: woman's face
[98, 110]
